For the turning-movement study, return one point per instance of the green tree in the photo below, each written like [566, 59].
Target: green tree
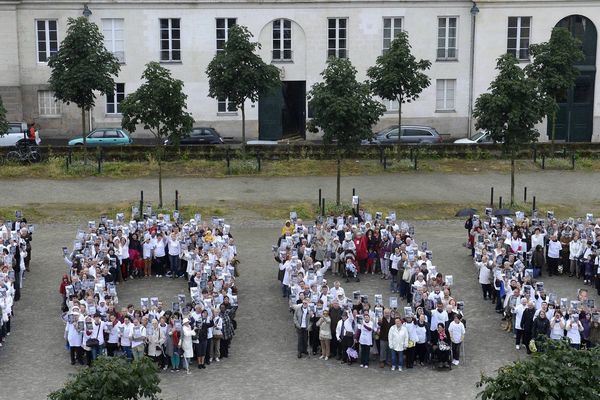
[3, 121]
[397, 75]
[554, 68]
[238, 74]
[113, 378]
[81, 67]
[159, 105]
[510, 110]
[343, 109]
[557, 374]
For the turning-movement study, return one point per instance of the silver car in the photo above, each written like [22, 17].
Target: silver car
[410, 134]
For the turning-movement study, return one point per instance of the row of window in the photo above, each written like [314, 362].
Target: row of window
[519, 29]
[49, 107]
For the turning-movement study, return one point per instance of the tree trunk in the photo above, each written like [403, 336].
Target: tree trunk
[83, 135]
[553, 137]
[243, 130]
[159, 151]
[399, 125]
[339, 178]
[512, 178]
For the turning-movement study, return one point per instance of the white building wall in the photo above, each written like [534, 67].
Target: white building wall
[309, 45]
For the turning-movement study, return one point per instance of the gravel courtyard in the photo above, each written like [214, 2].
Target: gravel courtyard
[262, 363]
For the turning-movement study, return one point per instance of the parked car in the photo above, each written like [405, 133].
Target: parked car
[17, 132]
[410, 134]
[104, 137]
[201, 135]
[480, 137]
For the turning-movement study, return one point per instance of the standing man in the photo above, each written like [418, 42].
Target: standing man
[554, 248]
[302, 317]
[457, 335]
[385, 324]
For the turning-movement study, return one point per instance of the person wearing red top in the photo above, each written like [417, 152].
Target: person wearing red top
[360, 242]
[63, 291]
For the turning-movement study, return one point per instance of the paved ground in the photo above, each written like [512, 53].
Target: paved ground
[575, 187]
[263, 361]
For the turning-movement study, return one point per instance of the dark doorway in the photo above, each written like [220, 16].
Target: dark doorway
[575, 117]
[282, 113]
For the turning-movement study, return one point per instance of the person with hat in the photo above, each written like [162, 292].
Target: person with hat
[186, 344]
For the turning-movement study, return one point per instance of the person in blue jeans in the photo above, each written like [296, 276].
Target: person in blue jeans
[174, 250]
[398, 342]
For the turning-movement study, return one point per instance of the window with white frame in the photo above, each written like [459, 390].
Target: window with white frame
[282, 39]
[445, 90]
[337, 37]
[114, 37]
[224, 106]
[519, 29]
[223, 27]
[447, 44]
[390, 105]
[46, 39]
[391, 28]
[47, 104]
[170, 39]
[114, 99]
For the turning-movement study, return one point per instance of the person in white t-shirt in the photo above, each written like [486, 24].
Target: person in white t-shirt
[147, 254]
[174, 251]
[456, 329]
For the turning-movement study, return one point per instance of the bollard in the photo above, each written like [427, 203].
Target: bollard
[100, 162]
[533, 209]
[492, 197]
[416, 155]
[319, 203]
[70, 157]
[258, 161]
[525, 194]
[228, 159]
[353, 192]
[177, 199]
[385, 162]
[411, 154]
[500, 202]
[141, 203]
[534, 154]
[572, 160]
[323, 207]
[67, 162]
[381, 155]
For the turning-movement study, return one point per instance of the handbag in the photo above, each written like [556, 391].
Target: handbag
[406, 275]
[93, 342]
[443, 346]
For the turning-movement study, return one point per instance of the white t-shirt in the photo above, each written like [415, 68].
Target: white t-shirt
[147, 249]
[456, 331]
[174, 247]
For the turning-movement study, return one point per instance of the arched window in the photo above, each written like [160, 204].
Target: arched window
[282, 40]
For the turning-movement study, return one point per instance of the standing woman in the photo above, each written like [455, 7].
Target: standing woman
[201, 332]
[421, 330]
[186, 344]
[365, 339]
[324, 324]
[172, 343]
[155, 341]
[574, 329]
[112, 327]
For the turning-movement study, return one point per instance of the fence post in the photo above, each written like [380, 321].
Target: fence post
[70, 157]
[228, 158]
[380, 155]
[177, 200]
[500, 202]
[411, 154]
[385, 162]
[573, 160]
[533, 209]
[67, 162]
[323, 207]
[100, 161]
[534, 154]
[141, 203]
[525, 194]
[258, 160]
[543, 161]
[492, 197]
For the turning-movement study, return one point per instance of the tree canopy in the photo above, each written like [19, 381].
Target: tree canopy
[113, 378]
[559, 373]
[159, 104]
[397, 74]
[82, 65]
[343, 108]
[512, 107]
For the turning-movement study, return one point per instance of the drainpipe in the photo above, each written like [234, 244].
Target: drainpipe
[474, 12]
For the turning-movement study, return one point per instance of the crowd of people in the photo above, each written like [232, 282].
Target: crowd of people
[198, 328]
[421, 322]
[15, 250]
[511, 258]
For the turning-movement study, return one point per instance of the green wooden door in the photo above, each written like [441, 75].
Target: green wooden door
[575, 116]
[270, 108]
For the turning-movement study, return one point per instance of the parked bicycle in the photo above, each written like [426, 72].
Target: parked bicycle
[24, 153]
